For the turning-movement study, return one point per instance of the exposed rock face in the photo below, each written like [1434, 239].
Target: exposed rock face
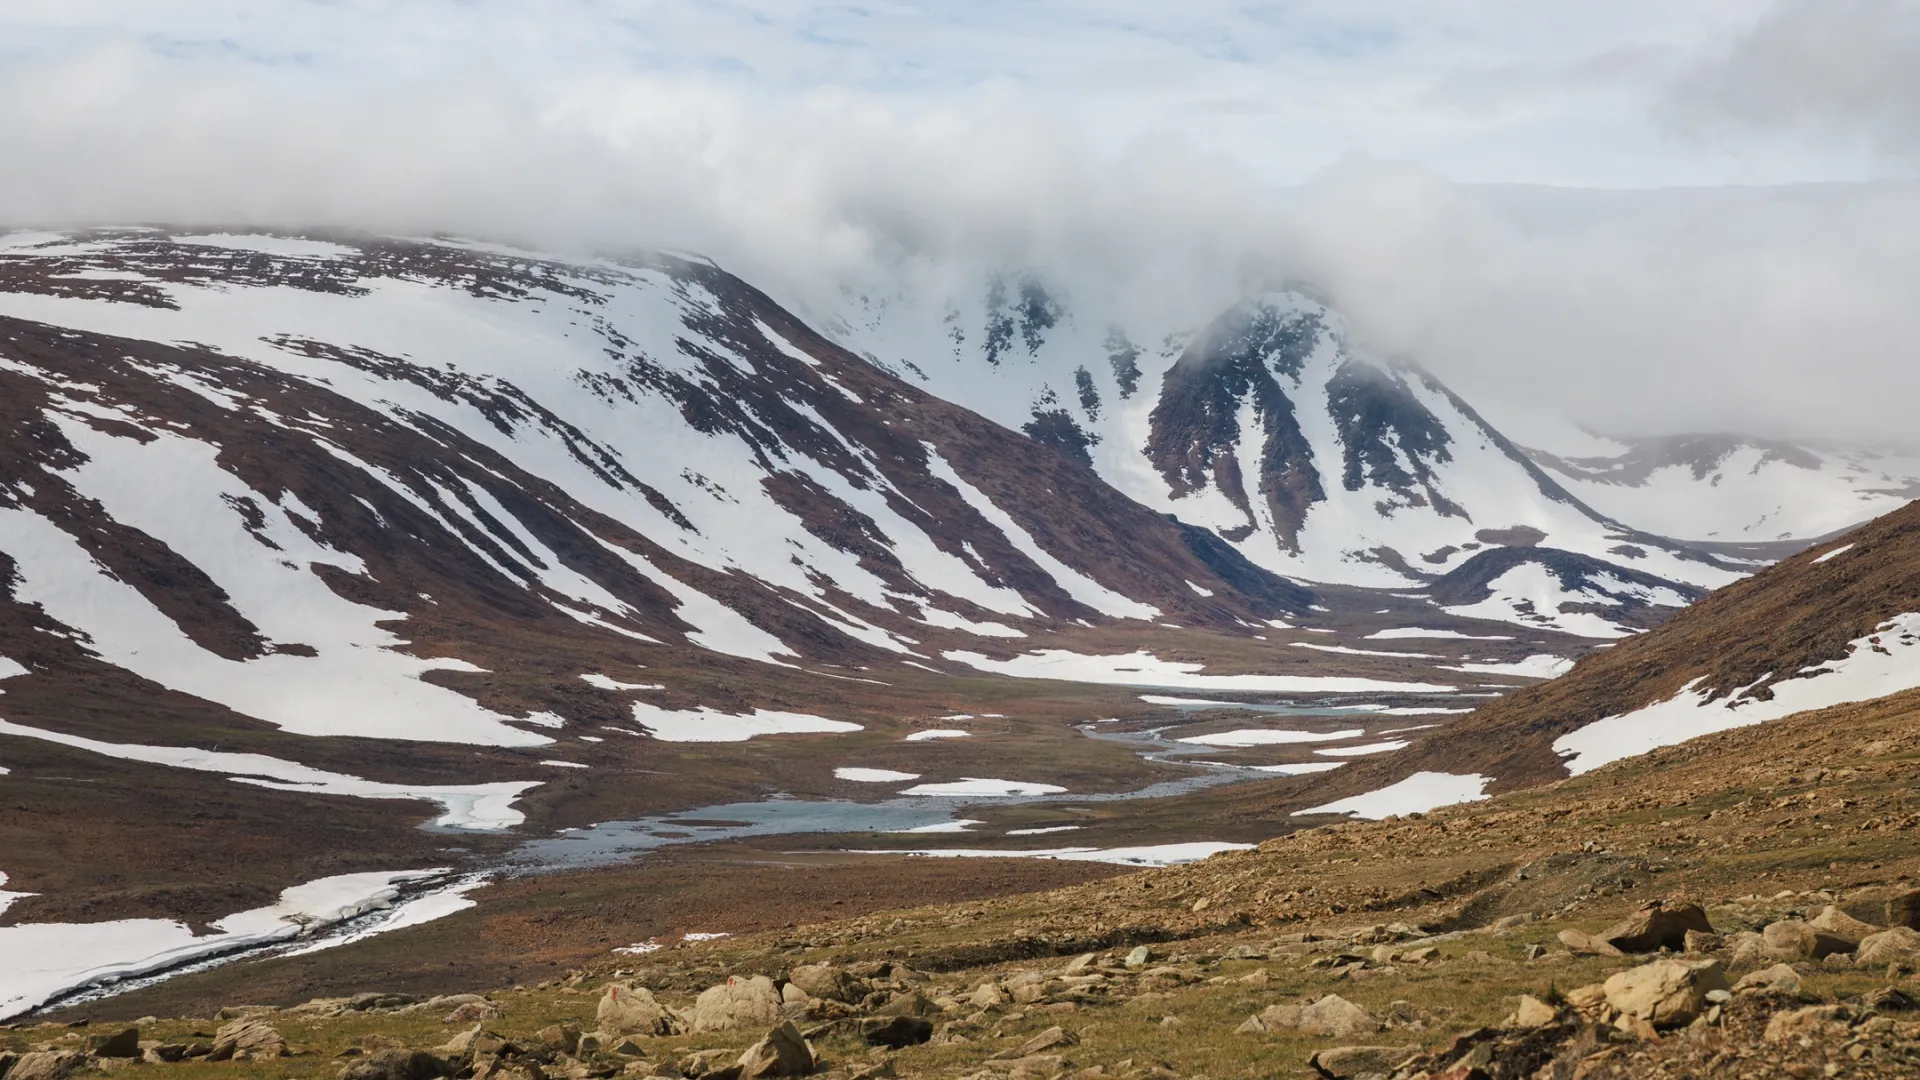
[632, 1010]
[1665, 993]
[737, 1003]
[251, 1039]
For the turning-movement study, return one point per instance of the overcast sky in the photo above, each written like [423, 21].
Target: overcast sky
[1716, 228]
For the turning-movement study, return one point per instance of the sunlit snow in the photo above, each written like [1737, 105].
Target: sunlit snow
[1416, 794]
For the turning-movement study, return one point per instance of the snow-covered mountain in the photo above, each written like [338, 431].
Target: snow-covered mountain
[1731, 488]
[1263, 424]
[238, 464]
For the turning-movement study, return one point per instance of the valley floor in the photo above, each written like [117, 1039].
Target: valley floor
[1427, 928]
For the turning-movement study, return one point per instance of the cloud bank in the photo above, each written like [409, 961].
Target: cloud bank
[1781, 309]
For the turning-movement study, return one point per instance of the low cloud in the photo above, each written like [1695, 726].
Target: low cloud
[1781, 310]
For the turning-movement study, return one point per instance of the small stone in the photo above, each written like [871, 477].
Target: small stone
[1139, 957]
[1778, 979]
[1534, 1013]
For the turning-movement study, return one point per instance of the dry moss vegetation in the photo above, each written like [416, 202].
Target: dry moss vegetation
[1433, 925]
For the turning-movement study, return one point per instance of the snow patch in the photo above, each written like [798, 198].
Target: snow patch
[1841, 550]
[1537, 666]
[711, 725]
[472, 806]
[1363, 749]
[1417, 794]
[1268, 737]
[1043, 831]
[1143, 668]
[1394, 633]
[606, 683]
[938, 733]
[978, 785]
[1143, 855]
[874, 776]
[45, 960]
[1884, 662]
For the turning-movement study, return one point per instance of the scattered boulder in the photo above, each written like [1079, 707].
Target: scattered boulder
[908, 1003]
[250, 1039]
[987, 996]
[472, 1012]
[1900, 944]
[1778, 979]
[1140, 957]
[1698, 944]
[824, 981]
[632, 1010]
[124, 1043]
[1581, 943]
[1793, 939]
[1814, 1021]
[1903, 909]
[397, 1064]
[1533, 1013]
[1348, 1062]
[1833, 921]
[1665, 993]
[895, 1032]
[782, 1053]
[1331, 1016]
[46, 1065]
[1657, 926]
[562, 1038]
[1047, 1040]
[738, 1004]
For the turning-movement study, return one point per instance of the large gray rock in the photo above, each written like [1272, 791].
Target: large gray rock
[250, 1039]
[1665, 993]
[782, 1053]
[631, 1010]
[737, 1003]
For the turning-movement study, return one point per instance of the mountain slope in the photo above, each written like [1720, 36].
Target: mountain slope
[1261, 423]
[1837, 624]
